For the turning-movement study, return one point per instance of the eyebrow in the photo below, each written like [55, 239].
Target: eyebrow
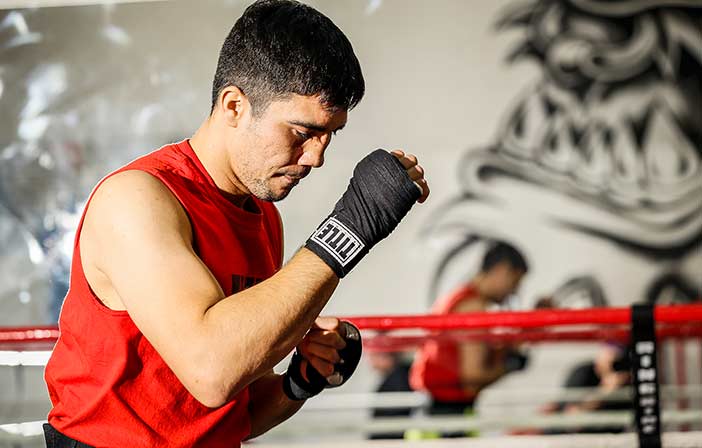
[314, 126]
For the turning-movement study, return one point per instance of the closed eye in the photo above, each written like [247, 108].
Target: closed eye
[302, 135]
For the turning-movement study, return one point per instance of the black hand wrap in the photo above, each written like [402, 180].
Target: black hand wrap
[379, 195]
[297, 388]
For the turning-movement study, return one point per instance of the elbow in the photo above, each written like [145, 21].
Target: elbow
[212, 390]
[211, 401]
[213, 381]
[208, 393]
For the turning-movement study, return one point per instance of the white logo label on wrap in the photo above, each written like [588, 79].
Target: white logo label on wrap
[338, 240]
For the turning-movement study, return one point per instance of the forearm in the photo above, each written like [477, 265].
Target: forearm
[478, 380]
[478, 366]
[268, 405]
[250, 332]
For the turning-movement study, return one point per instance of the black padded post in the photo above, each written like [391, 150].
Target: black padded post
[644, 373]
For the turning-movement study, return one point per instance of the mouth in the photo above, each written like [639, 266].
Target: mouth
[290, 180]
[294, 176]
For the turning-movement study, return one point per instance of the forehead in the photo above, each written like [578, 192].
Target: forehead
[308, 109]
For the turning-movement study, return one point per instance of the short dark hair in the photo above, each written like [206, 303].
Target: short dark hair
[499, 252]
[282, 47]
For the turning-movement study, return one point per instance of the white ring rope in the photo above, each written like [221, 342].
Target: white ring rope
[499, 397]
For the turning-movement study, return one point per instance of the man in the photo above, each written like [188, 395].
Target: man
[178, 307]
[454, 373]
[605, 375]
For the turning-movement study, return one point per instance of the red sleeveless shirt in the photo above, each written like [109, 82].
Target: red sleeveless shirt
[436, 365]
[108, 385]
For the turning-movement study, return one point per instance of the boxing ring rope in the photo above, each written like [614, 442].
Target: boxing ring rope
[30, 346]
[690, 316]
[393, 343]
[664, 314]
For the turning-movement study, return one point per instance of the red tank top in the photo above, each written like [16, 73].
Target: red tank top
[436, 365]
[108, 385]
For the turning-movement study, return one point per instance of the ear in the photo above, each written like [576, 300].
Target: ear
[233, 106]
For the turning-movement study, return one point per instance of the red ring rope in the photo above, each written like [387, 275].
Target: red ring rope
[395, 343]
[669, 314]
[664, 314]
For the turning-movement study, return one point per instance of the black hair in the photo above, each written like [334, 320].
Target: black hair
[282, 47]
[501, 252]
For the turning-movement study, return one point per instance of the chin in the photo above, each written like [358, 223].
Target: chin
[279, 197]
[271, 196]
[266, 192]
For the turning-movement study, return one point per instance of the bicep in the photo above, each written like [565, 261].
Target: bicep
[144, 245]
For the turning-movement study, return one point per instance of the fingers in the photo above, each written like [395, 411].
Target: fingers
[415, 172]
[320, 356]
[407, 160]
[323, 352]
[326, 323]
[326, 331]
[327, 338]
[424, 187]
[322, 366]
[320, 346]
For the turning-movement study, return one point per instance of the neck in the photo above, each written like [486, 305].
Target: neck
[211, 150]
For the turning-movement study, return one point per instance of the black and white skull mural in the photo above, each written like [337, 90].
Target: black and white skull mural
[596, 171]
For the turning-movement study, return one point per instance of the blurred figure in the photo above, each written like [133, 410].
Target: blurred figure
[394, 370]
[454, 373]
[607, 373]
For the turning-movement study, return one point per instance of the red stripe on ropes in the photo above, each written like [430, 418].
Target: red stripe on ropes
[389, 343]
[525, 319]
[670, 314]
[29, 334]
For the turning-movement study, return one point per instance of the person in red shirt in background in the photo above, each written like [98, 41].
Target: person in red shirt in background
[454, 373]
[179, 306]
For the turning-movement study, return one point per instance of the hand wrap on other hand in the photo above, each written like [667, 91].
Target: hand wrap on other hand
[297, 388]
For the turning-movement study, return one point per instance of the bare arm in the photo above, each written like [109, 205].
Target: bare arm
[268, 406]
[475, 370]
[137, 236]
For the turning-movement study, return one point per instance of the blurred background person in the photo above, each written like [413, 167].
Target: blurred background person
[393, 368]
[606, 374]
[454, 373]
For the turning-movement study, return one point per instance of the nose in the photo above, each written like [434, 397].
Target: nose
[313, 151]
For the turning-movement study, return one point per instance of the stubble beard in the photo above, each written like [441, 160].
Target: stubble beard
[263, 191]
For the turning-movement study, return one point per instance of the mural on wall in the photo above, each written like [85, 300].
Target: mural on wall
[607, 143]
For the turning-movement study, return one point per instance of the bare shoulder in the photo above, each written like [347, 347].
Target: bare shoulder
[136, 198]
[133, 207]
